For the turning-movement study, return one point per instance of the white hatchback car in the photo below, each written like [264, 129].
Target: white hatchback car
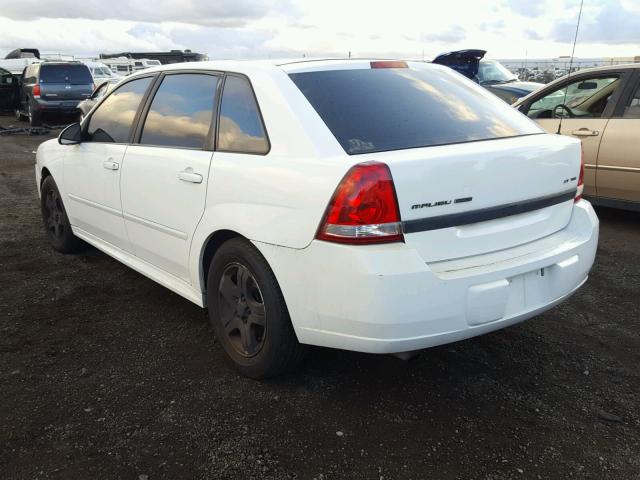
[377, 206]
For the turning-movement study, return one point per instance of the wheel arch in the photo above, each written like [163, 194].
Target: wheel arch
[211, 245]
[44, 173]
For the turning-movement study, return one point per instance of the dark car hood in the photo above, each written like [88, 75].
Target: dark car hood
[519, 88]
[465, 62]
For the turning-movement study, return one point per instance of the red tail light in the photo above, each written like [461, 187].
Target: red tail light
[36, 90]
[580, 188]
[364, 208]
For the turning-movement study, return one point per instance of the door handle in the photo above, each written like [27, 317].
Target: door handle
[188, 175]
[111, 165]
[585, 132]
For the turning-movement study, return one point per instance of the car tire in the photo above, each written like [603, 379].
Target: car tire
[55, 220]
[248, 313]
[19, 116]
[33, 116]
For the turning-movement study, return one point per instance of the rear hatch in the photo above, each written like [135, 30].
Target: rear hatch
[472, 175]
[473, 198]
[70, 82]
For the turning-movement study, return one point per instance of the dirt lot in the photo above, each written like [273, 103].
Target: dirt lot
[105, 374]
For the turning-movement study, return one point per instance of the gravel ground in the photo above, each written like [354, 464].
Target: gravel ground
[105, 374]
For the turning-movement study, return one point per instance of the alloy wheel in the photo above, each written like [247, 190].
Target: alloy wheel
[54, 215]
[242, 310]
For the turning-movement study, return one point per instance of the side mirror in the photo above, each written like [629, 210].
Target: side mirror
[72, 135]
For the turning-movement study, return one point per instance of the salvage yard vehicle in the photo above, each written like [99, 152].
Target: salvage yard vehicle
[101, 72]
[600, 106]
[9, 88]
[85, 106]
[375, 206]
[53, 87]
[491, 74]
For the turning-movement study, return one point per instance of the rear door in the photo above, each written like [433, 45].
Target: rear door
[165, 174]
[618, 173]
[584, 104]
[471, 174]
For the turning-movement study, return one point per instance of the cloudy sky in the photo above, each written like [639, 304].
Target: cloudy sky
[291, 28]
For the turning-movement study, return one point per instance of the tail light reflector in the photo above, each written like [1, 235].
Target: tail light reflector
[580, 188]
[364, 208]
[36, 90]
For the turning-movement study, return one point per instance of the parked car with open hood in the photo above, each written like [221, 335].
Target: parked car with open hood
[376, 206]
[600, 106]
[491, 74]
[53, 87]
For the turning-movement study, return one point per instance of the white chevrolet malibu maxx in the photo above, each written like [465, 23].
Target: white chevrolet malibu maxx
[377, 206]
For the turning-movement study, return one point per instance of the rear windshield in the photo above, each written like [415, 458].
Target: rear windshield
[375, 110]
[77, 74]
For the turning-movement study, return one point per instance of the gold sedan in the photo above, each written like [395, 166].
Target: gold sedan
[601, 106]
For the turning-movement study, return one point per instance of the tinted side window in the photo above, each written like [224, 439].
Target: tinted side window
[181, 111]
[241, 129]
[112, 120]
[632, 110]
[585, 98]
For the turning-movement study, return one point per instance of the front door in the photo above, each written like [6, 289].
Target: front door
[165, 175]
[618, 174]
[580, 109]
[93, 167]
[8, 90]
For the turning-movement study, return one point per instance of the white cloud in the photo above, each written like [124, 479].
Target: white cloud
[205, 12]
[271, 28]
[611, 23]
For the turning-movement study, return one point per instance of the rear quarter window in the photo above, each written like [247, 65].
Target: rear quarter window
[241, 128]
[374, 110]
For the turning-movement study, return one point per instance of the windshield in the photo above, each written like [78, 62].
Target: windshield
[65, 73]
[375, 110]
[491, 71]
[101, 72]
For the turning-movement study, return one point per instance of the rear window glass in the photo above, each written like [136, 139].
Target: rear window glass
[375, 110]
[77, 74]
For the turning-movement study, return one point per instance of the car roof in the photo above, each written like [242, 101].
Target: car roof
[60, 62]
[287, 65]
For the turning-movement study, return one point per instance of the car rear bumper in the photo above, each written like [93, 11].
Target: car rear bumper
[68, 106]
[385, 298]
